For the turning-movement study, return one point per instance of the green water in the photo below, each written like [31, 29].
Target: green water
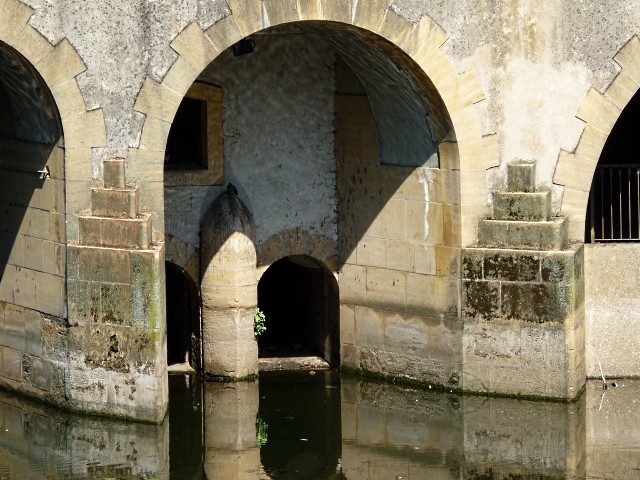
[322, 426]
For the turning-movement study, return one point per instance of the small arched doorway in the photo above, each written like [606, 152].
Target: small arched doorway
[299, 297]
[183, 319]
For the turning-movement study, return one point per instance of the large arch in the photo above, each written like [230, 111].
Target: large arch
[59, 65]
[399, 269]
[466, 150]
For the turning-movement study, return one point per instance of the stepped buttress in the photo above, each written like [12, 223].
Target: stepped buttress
[523, 298]
[116, 291]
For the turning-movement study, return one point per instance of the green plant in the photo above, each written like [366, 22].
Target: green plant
[261, 431]
[259, 325]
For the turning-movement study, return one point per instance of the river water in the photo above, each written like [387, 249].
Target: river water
[326, 426]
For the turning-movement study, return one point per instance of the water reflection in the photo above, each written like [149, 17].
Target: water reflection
[321, 426]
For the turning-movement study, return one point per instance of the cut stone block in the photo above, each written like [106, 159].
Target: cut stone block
[116, 232]
[541, 235]
[114, 173]
[521, 177]
[117, 202]
[522, 206]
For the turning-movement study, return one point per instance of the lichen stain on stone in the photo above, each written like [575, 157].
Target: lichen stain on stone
[109, 317]
[114, 358]
[481, 300]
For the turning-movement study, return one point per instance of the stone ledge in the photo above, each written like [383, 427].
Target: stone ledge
[116, 232]
[534, 206]
[115, 202]
[537, 235]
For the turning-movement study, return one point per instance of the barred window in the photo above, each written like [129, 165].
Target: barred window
[613, 212]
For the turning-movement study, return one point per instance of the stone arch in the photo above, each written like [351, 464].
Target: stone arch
[299, 297]
[59, 66]
[599, 111]
[465, 149]
[184, 255]
[297, 241]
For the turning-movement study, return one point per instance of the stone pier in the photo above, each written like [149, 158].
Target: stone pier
[117, 339]
[523, 298]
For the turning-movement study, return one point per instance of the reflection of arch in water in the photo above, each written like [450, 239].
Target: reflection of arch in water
[184, 344]
[299, 297]
[302, 420]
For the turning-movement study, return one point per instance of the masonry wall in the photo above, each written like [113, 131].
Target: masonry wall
[278, 143]
[399, 282]
[520, 80]
[32, 268]
[612, 311]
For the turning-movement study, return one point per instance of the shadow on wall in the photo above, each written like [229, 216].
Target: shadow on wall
[184, 340]
[352, 163]
[30, 129]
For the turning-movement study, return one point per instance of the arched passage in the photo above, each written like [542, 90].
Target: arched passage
[610, 268]
[612, 252]
[313, 125]
[32, 225]
[299, 298]
[184, 341]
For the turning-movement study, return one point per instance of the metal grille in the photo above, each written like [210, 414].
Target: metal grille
[613, 214]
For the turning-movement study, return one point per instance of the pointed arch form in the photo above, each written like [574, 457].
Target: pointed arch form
[599, 111]
[464, 149]
[59, 67]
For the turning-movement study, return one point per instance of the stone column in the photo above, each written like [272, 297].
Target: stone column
[229, 289]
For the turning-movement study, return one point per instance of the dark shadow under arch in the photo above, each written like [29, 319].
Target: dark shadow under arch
[613, 211]
[299, 297]
[183, 318]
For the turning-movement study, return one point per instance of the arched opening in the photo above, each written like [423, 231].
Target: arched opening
[299, 298]
[184, 345]
[613, 212]
[612, 250]
[332, 137]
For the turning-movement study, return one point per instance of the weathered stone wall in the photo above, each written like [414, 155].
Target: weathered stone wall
[398, 235]
[32, 268]
[512, 80]
[612, 311]
[117, 351]
[523, 298]
[278, 140]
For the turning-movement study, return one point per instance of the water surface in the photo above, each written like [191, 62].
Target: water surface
[323, 426]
